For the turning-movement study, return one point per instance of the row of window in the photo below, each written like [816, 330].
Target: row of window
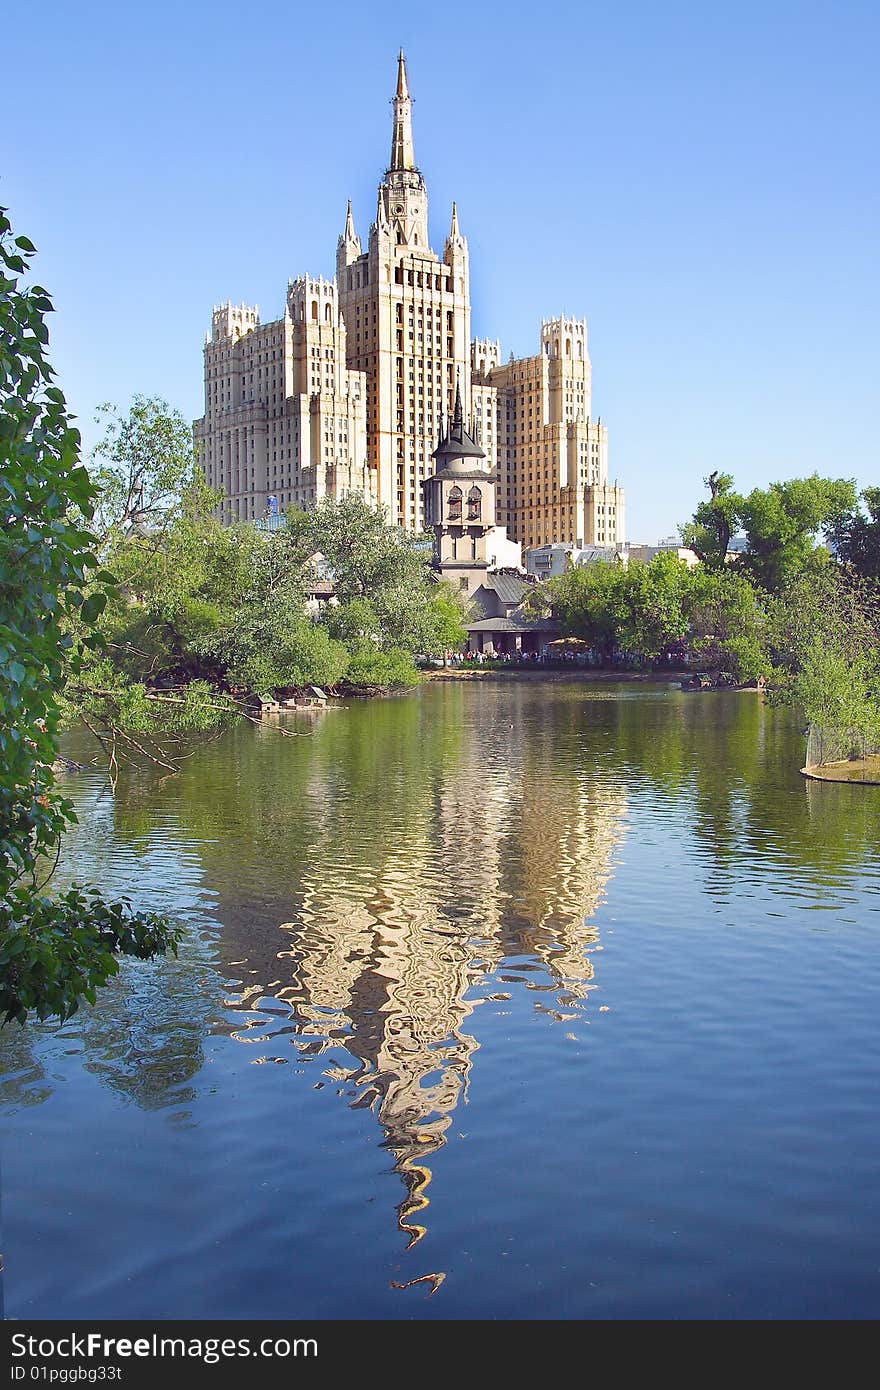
[423, 279]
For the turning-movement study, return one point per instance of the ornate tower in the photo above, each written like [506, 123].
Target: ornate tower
[408, 316]
[459, 501]
[403, 190]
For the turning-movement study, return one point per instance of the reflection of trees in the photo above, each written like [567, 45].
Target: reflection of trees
[23, 1079]
[144, 1036]
[729, 762]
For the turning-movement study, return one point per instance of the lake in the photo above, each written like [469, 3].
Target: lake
[505, 999]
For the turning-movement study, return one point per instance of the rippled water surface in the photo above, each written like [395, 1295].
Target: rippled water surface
[507, 999]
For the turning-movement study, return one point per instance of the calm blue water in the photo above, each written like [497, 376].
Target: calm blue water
[566, 993]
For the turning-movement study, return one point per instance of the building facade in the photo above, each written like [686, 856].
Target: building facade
[284, 418]
[352, 387]
[556, 558]
[553, 457]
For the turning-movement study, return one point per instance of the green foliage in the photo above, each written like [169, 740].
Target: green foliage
[366, 555]
[826, 637]
[651, 611]
[151, 679]
[727, 624]
[837, 692]
[781, 608]
[56, 952]
[639, 607]
[714, 522]
[374, 561]
[450, 612]
[390, 609]
[197, 604]
[586, 600]
[264, 639]
[52, 599]
[781, 523]
[174, 594]
[856, 536]
[271, 649]
[145, 469]
[379, 668]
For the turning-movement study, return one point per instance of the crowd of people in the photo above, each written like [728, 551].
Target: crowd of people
[544, 657]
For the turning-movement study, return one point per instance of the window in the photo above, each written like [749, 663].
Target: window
[455, 497]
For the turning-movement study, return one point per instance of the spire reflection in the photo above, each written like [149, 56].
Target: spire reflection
[487, 869]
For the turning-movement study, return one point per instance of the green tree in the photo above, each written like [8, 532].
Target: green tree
[587, 602]
[651, 605]
[154, 681]
[826, 639]
[270, 643]
[53, 951]
[727, 624]
[838, 695]
[641, 607]
[714, 522]
[366, 555]
[171, 597]
[450, 611]
[782, 522]
[144, 467]
[386, 574]
[855, 536]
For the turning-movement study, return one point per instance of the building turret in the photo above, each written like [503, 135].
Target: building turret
[455, 255]
[348, 247]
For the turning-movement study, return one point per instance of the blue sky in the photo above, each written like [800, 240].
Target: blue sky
[699, 181]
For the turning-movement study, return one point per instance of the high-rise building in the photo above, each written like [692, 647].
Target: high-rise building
[284, 418]
[352, 388]
[552, 455]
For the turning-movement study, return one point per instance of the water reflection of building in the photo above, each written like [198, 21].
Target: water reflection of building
[500, 855]
[392, 988]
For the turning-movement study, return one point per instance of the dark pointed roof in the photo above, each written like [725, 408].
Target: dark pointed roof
[457, 451]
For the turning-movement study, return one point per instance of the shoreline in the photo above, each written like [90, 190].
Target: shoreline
[558, 673]
[854, 772]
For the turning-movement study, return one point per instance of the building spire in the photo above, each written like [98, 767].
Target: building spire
[402, 84]
[458, 414]
[454, 231]
[348, 247]
[402, 151]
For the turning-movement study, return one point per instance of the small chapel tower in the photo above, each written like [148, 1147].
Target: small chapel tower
[459, 500]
